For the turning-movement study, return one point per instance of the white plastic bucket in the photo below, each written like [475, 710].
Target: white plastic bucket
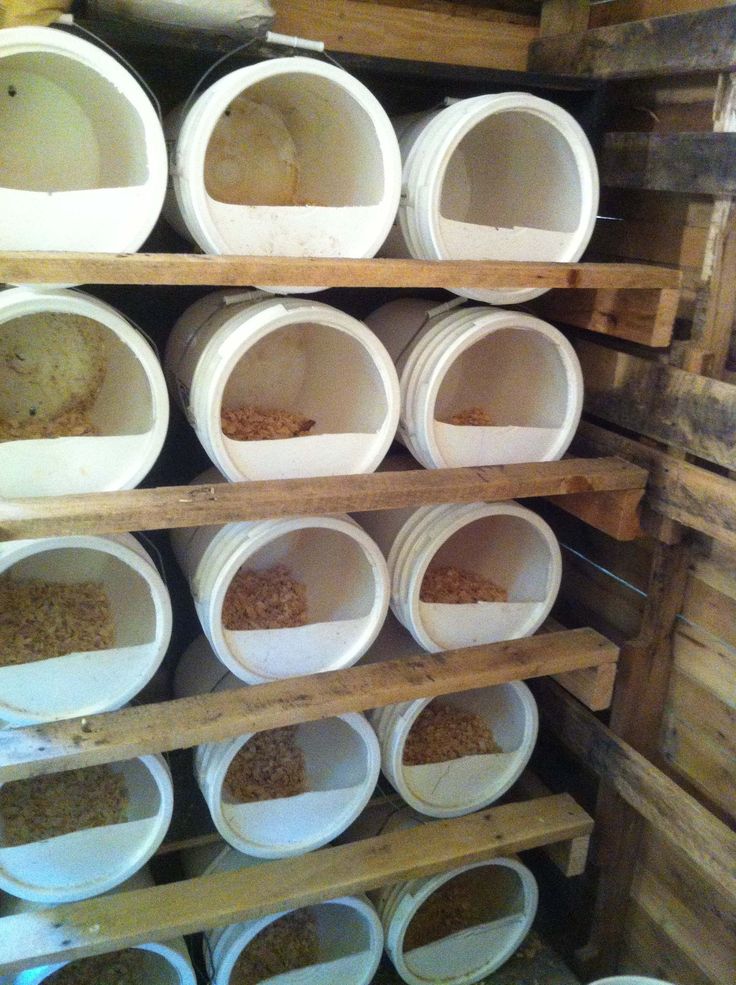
[346, 581]
[230, 17]
[166, 963]
[519, 369]
[468, 955]
[84, 159]
[288, 157]
[342, 762]
[74, 684]
[630, 980]
[458, 786]
[131, 409]
[85, 863]
[498, 177]
[504, 542]
[349, 931]
[230, 350]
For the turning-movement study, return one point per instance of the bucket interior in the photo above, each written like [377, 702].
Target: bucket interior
[66, 127]
[465, 923]
[295, 139]
[470, 781]
[512, 187]
[152, 968]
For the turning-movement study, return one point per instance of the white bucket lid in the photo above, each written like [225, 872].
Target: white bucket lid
[88, 168]
[85, 863]
[132, 409]
[86, 683]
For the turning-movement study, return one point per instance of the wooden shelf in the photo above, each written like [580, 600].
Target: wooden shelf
[620, 483]
[179, 724]
[98, 925]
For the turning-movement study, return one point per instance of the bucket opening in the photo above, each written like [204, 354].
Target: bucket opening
[343, 931]
[63, 381]
[294, 139]
[137, 962]
[511, 185]
[66, 127]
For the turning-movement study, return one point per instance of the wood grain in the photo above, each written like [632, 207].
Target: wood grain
[693, 163]
[644, 317]
[186, 722]
[191, 506]
[162, 912]
[231, 271]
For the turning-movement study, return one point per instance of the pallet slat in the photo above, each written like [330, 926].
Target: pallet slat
[233, 271]
[186, 722]
[693, 163]
[191, 506]
[105, 924]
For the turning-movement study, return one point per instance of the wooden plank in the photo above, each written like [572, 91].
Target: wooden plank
[162, 912]
[570, 857]
[231, 271]
[661, 240]
[648, 949]
[592, 686]
[616, 514]
[563, 17]
[186, 722]
[618, 11]
[702, 41]
[191, 506]
[677, 816]
[678, 408]
[693, 163]
[686, 493]
[645, 317]
[405, 32]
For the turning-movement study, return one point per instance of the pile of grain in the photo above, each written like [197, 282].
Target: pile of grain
[460, 903]
[269, 599]
[443, 732]
[59, 803]
[263, 424]
[288, 943]
[52, 367]
[129, 967]
[41, 619]
[456, 585]
[269, 765]
[472, 417]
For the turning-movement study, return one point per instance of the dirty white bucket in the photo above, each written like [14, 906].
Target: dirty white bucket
[166, 963]
[467, 955]
[504, 542]
[454, 787]
[130, 410]
[342, 762]
[75, 684]
[630, 980]
[497, 177]
[349, 931]
[230, 17]
[347, 587]
[84, 164]
[231, 350]
[85, 863]
[288, 157]
[519, 369]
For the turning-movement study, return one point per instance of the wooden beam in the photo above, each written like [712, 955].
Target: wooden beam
[693, 163]
[232, 271]
[563, 17]
[677, 816]
[570, 857]
[618, 11]
[389, 31]
[702, 41]
[140, 729]
[191, 506]
[687, 410]
[592, 686]
[615, 514]
[644, 317]
[686, 493]
[109, 923]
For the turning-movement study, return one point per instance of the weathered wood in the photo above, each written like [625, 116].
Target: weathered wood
[191, 506]
[694, 163]
[563, 17]
[405, 32]
[231, 271]
[616, 514]
[186, 722]
[111, 922]
[570, 857]
[678, 817]
[645, 317]
[678, 408]
[618, 11]
[686, 493]
[703, 41]
[592, 686]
